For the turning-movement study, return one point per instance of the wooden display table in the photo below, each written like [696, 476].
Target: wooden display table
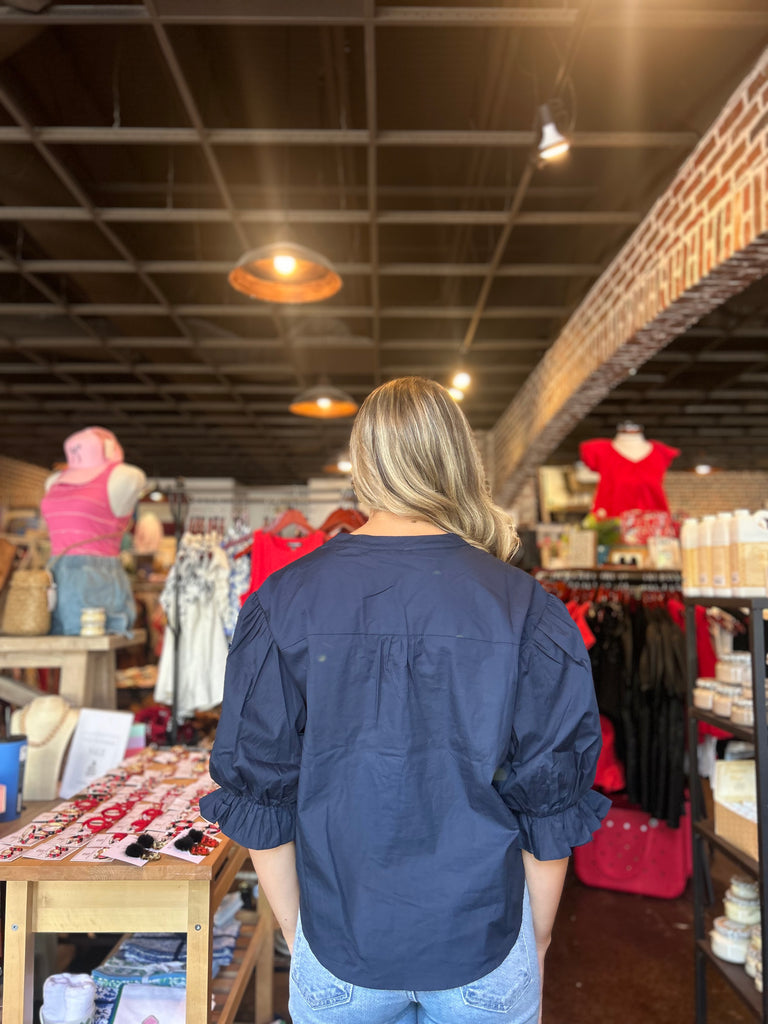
[88, 664]
[163, 896]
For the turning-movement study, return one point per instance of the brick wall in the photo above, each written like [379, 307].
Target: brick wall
[718, 492]
[702, 242]
[21, 483]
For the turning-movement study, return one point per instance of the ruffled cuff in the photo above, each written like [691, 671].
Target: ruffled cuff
[254, 826]
[554, 836]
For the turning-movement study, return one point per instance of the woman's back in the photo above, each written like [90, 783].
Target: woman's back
[423, 683]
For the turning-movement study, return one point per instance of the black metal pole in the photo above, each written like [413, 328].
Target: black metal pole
[178, 501]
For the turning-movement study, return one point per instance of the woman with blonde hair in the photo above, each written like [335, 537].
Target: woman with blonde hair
[408, 740]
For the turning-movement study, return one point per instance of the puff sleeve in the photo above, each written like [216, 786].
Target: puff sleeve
[257, 752]
[546, 781]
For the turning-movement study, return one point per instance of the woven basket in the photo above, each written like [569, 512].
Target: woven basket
[26, 610]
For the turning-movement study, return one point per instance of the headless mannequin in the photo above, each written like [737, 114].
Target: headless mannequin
[48, 724]
[87, 506]
[630, 441]
[631, 471]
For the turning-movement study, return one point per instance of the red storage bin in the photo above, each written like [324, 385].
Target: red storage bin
[633, 852]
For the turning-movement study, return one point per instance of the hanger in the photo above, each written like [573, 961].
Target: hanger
[291, 517]
[343, 520]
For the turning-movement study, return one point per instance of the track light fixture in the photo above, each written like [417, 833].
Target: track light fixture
[552, 143]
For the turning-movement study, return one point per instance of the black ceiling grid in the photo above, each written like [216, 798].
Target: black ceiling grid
[145, 146]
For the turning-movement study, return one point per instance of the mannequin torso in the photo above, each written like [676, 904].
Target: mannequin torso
[633, 445]
[48, 724]
[124, 486]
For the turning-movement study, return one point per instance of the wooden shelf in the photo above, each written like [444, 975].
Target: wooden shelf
[705, 828]
[744, 732]
[230, 983]
[736, 977]
[728, 602]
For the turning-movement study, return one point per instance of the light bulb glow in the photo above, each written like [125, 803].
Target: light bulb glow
[324, 402]
[554, 151]
[284, 264]
[702, 469]
[461, 380]
[456, 394]
[344, 466]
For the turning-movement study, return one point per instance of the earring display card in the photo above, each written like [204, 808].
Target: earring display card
[60, 846]
[118, 852]
[207, 844]
[100, 849]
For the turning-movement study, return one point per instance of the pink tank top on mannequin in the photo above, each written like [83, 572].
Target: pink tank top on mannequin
[77, 513]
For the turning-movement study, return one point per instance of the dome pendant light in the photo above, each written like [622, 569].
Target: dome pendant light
[285, 272]
[552, 143]
[324, 402]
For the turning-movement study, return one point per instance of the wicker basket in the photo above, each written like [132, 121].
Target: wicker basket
[26, 611]
[736, 829]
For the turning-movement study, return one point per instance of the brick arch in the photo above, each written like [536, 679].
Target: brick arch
[703, 241]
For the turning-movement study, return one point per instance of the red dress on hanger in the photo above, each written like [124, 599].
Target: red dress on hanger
[625, 484]
[271, 552]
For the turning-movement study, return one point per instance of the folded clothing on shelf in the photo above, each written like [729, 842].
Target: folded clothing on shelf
[158, 959]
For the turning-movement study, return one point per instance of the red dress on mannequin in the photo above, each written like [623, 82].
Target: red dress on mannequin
[625, 484]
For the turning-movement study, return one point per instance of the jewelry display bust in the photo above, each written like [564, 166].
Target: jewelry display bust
[48, 724]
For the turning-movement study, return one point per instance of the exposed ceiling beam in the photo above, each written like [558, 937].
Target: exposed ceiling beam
[192, 215]
[274, 345]
[239, 309]
[353, 12]
[179, 136]
[191, 266]
[199, 370]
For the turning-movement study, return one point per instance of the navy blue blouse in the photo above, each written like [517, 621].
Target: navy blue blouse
[414, 713]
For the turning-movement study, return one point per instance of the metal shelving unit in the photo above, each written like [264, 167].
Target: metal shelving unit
[704, 836]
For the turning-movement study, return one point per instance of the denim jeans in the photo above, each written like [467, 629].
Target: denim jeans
[91, 581]
[508, 995]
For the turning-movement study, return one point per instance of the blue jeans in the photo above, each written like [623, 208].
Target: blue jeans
[508, 995]
[91, 581]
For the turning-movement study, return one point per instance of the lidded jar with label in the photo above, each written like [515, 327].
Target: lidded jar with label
[725, 695]
[730, 940]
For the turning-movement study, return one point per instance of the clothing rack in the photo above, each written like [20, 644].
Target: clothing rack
[180, 501]
[622, 576]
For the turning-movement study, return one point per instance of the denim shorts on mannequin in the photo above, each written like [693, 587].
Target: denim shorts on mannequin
[507, 995]
[91, 581]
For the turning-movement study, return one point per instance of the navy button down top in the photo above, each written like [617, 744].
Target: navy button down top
[414, 713]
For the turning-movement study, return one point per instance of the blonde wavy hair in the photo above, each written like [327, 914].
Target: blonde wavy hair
[413, 454]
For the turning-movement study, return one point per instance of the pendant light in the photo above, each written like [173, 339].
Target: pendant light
[324, 402]
[285, 272]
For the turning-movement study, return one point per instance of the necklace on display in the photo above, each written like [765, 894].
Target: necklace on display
[47, 739]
